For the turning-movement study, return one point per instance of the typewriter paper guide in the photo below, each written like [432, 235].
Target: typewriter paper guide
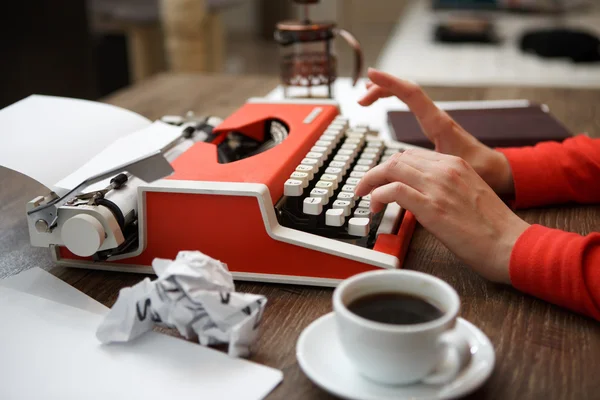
[57, 140]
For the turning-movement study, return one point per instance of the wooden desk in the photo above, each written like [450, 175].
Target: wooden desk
[543, 352]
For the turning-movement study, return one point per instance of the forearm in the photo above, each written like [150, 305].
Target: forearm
[551, 172]
[560, 267]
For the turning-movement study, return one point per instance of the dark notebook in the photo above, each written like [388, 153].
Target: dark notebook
[495, 127]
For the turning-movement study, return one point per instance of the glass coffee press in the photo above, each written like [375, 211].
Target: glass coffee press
[307, 56]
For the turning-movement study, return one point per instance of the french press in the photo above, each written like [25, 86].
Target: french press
[307, 56]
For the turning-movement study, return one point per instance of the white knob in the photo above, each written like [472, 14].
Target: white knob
[83, 235]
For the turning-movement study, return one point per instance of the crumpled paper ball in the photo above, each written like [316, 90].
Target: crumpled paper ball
[194, 294]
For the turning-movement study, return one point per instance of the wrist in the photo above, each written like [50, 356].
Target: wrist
[498, 174]
[514, 228]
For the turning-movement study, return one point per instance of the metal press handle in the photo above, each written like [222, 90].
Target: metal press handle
[358, 55]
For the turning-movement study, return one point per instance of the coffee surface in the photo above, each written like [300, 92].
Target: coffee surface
[395, 308]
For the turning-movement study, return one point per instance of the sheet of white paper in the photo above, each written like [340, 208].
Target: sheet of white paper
[50, 351]
[123, 150]
[38, 282]
[47, 137]
[376, 114]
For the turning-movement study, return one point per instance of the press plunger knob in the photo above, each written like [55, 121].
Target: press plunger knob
[83, 235]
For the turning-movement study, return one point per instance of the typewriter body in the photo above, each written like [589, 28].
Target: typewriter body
[269, 190]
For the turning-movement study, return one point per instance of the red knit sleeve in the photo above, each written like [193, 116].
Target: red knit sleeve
[560, 267]
[554, 173]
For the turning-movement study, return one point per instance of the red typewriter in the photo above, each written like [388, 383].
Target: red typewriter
[269, 191]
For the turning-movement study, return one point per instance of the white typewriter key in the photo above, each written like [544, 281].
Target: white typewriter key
[311, 162]
[293, 188]
[361, 168]
[362, 213]
[337, 133]
[331, 178]
[336, 125]
[347, 196]
[320, 193]
[349, 146]
[325, 143]
[375, 143]
[352, 181]
[363, 128]
[344, 205]
[344, 152]
[312, 205]
[314, 154]
[300, 176]
[334, 217]
[384, 159]
[337, 164]
[366, 162]
[371, 150]
[367, 197]
[320, 157]
[340, 157]
[396, 145]
[320, 149]
[356, 135]
[357, 174]
[368, 156]
[331, 138]
[342, 120]
[325, 185]
[358, 226]
[391, 152]
[348, 188]
[338, 172]
[306, 168]
[353, 141]
[364, 204]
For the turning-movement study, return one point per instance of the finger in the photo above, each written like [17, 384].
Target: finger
[411, 94]
[397, 192]
[432, 119]
[425, 154]
[373, 94]
[399, 168]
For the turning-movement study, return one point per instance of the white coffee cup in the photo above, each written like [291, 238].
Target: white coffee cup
[431, 352]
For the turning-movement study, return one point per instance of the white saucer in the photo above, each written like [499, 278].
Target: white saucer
[322, 359]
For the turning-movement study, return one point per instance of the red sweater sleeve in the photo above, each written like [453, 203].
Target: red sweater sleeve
[560, 267]
[553, 172]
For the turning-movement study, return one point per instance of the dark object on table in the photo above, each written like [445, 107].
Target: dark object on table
[495, 127]
[579, 46]
[466, 30]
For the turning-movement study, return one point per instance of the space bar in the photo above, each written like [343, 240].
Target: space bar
[390, 220]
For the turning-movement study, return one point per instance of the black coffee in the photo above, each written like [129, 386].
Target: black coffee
[395, 308]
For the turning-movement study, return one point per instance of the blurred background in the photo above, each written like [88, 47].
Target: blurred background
[91, 48]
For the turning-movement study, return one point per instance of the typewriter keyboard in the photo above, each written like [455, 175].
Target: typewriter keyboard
[319, 196]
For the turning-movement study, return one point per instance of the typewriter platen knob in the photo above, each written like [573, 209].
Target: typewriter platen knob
[83, 235]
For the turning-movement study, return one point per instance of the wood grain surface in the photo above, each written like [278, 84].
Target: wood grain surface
[543, 351]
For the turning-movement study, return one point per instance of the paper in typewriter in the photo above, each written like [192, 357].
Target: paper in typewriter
[59, 142]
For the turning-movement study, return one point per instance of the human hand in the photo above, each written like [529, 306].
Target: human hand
[452, 202]
[447, 136]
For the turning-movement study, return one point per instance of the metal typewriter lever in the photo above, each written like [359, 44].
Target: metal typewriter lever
[148, 168]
